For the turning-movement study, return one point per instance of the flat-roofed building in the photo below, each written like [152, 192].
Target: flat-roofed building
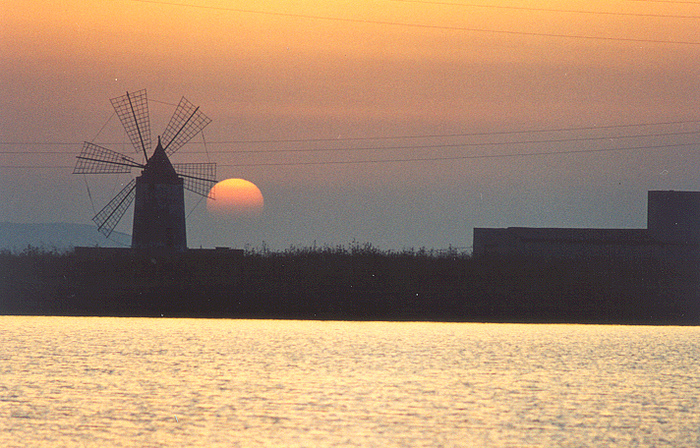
[673, 229]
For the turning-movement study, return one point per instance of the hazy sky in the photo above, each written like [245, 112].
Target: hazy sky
[435, 104]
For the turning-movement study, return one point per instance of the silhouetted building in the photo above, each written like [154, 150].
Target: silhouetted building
[673, 230]
[159, 211]
[674, 216]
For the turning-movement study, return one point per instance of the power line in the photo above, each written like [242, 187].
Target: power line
[568, 11]
[460, 134]
[408, 147]
[469, 157]
[667, 1]
[104, 126]
[419, 159]
[151, 100]
[392, 137]
[417, 25]
[462, 144]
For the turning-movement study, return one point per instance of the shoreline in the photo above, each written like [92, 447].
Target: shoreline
[357, 284]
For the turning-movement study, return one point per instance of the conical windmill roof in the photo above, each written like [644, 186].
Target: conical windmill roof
[158, 169]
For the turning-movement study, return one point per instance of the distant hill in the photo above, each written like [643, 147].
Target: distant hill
[59, 236]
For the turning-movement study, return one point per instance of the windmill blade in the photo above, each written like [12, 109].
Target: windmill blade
[185, 123]
[132, 110]
[197, 177]
[94, 159]
[108, 218]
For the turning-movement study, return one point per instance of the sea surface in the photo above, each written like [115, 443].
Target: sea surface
[123, 382]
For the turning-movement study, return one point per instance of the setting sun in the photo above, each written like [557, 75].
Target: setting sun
[235, 198]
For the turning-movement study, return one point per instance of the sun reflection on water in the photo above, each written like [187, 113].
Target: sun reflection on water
[181, 382]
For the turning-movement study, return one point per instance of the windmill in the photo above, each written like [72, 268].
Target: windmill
[159, 211]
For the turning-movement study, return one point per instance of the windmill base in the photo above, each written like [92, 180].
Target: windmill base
[159, 217]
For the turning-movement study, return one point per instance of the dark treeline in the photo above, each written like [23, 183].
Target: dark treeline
[356, 283]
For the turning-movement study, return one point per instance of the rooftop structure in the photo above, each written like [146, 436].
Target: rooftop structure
[673, 229]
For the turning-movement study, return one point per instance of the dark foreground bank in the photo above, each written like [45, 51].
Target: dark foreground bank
[360, 283]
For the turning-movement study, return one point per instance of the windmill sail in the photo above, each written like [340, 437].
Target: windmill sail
[197, 177]
[132, 110]
[94, 159]
[108, 218]
[185, 123]
[159, 219]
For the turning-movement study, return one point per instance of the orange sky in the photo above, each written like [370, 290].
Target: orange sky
[297, 62]
[305, 70]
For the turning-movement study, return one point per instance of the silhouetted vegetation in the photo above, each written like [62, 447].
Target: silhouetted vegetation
[358, 282]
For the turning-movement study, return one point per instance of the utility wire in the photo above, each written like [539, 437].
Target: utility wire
[104, 126]
[418, 25]
[395, 137]
[201, 198]
[407, 147]
[422, 159]
[461, 134]
[457, 145]
[666, 1]
[567, 11]
[469, 157]
[208, 160]
[87, 187]
[204, 142]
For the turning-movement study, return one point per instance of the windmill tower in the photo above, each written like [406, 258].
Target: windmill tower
[159, 211]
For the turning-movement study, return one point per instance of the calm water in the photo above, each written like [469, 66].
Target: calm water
[112, 382]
